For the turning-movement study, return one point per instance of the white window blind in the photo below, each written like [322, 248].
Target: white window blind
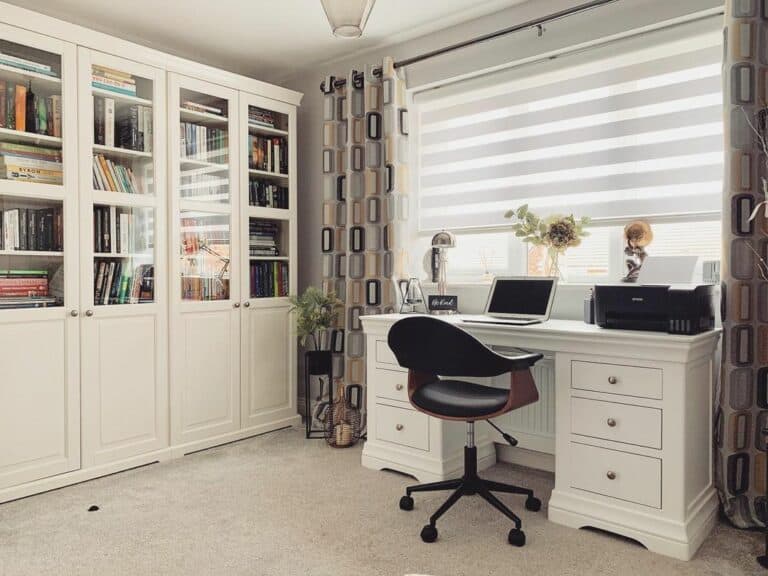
[628, 129]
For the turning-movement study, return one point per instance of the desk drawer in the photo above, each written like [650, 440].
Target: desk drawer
[390, 384]
[402, 426]
[385, 356]
[616, 474]
[617, 379]
[636, 425]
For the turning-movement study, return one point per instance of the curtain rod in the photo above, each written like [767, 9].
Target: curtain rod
[332, 82]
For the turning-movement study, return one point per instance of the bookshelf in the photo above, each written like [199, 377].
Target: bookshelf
[123, 286]
[39, 338]
[106, 386]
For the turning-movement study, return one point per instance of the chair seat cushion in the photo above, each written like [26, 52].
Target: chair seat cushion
[458, 399]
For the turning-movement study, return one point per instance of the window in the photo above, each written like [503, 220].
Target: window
[631, 129]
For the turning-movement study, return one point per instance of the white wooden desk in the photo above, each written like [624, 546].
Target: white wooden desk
[628, 415]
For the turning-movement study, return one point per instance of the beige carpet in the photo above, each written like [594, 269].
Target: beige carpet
[280, 505]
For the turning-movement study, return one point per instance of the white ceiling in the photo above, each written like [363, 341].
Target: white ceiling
[267, 39]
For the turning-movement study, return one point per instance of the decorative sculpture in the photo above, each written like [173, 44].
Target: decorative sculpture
[637, 235]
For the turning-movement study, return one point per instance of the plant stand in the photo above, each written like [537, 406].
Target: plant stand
[316, 363]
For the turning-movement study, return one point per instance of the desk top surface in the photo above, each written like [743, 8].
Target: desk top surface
[554, 327]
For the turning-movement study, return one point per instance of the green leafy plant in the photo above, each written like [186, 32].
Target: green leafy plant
[556, 233]
[315, 311]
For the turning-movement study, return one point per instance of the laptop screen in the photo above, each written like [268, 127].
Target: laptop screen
[521, 296]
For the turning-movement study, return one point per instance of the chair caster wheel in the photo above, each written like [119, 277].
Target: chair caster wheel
[533, 504]
[516, 537]
[406, 503]
[429, 533]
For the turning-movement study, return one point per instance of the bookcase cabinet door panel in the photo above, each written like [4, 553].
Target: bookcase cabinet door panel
[39, 396]
[125, 405]
[207, 375]
[268, 365]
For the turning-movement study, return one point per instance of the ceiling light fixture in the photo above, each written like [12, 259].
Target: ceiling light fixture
[347, 17]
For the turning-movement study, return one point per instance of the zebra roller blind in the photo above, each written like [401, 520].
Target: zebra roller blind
[632, 128]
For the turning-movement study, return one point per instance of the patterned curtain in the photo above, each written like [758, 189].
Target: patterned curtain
[742, 411]
[365, 203]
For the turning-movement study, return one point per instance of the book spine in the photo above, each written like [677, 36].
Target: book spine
[3, 105]
[98, 120]
[56, 113]
[109, 122]
[9, 59]
[21, 108]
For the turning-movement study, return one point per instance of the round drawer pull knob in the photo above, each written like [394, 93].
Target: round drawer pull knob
[611, 475]
[89, 313]
[399, 427]
[611, 422]
[612, 379]
[74, 313]
[398, 387]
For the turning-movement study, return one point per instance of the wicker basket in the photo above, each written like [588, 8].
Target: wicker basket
[342, 424]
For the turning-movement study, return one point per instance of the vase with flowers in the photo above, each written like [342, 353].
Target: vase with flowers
[555, 233]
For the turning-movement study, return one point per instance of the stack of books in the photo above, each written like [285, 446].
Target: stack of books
[269, 279]
[118, 230]
[29, 229]
[204, 187]
[262, 238]
[113, 177]
[267, 194]
[268, 154]
[23, 110]
[117, 282]
[203, 143]
[111, 80]
[260, 117]
[202, 108]
[26, 163]
[25, 289]
[25, 64]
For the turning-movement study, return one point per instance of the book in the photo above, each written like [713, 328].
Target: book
[197, 107]
[32, 229]
[10, 106]
[3, 104]
[55, 115]
[21, 107]
[109, 122]
[25, 64]
[98, 121]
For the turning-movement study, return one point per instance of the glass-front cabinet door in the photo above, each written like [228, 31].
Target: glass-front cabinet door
[123, 273]
[205, 292]
[39, 324]
[268, 224]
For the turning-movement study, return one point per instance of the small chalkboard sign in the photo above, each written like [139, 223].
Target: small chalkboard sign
[443, 303]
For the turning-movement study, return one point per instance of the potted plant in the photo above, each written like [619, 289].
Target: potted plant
[315, 312]
[556, 233]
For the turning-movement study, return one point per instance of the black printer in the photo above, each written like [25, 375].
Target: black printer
[676, 308]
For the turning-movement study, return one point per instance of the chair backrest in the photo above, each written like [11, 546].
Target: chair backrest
[434, 346]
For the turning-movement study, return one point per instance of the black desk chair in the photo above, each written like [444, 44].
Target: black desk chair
[430, 349]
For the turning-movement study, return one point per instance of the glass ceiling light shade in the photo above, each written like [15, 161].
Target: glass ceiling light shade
[347, 17]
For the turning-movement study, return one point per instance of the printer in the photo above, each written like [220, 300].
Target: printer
[674, 308]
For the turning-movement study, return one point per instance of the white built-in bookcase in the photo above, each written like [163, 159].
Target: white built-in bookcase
[193, 353]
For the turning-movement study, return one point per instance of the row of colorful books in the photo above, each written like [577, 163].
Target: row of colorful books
[269, 279]
[268, 154]
[112, 80]
[32, 229]
[114, 177]
[118, 230]
[23, 110]
[117, 282]
[130, 127]
[203, 143]
[27, 163]
[25, 64]
[204, 288]
[267, 194]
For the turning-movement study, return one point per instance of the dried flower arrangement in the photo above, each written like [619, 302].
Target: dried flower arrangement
[556, 233]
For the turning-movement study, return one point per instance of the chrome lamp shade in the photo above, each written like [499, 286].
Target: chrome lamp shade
[347, 17]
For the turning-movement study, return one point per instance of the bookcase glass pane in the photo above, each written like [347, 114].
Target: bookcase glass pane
[122, 131]
[124, 259]
[30, 115]
[205, 256]
[204, 148]
[268, 255]
[31, 253]
[267, 155]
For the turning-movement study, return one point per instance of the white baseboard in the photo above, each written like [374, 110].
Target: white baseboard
[527, 458]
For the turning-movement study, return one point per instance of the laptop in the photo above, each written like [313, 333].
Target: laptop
[518, 301]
